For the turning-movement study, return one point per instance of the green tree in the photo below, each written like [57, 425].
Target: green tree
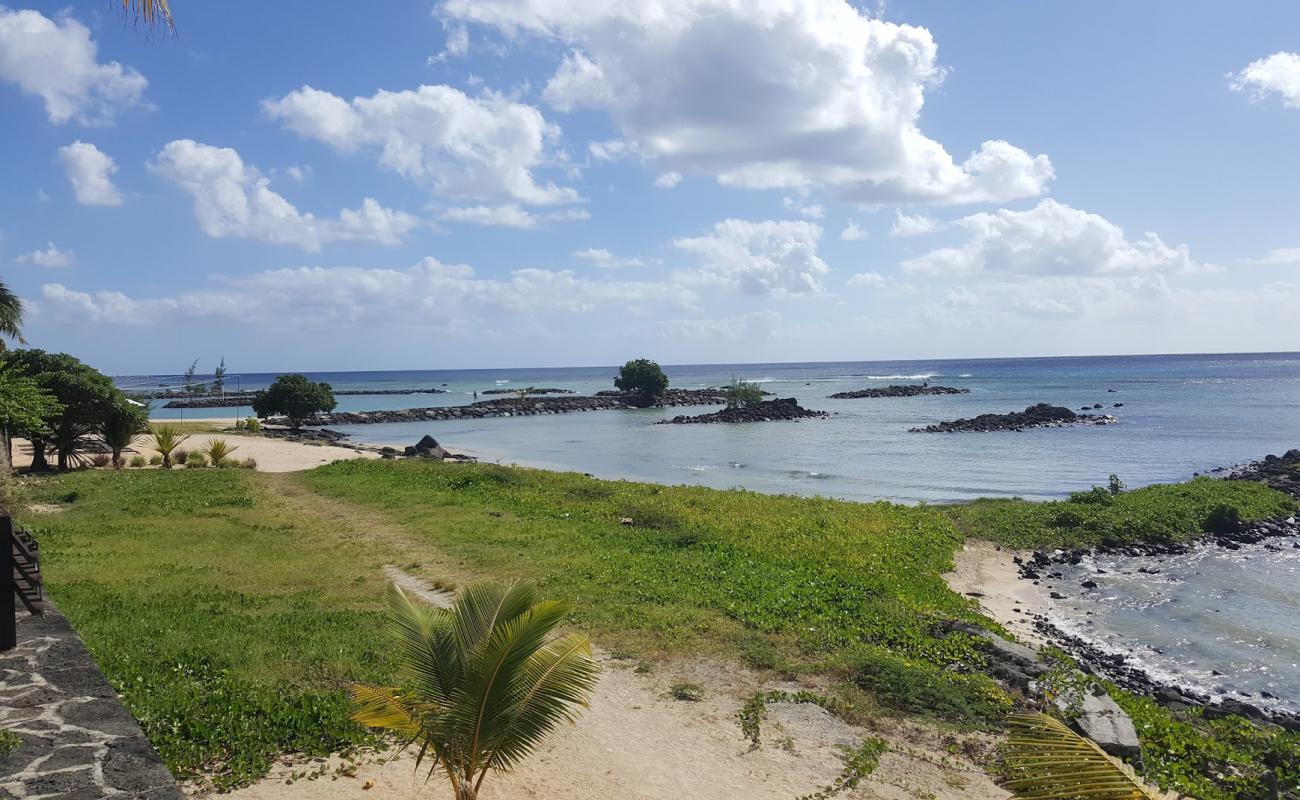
[219, 378]
[85, 394]
[295, 397]
[119, 427]
[24, 408]
[11, 316]
[190, 386]
[483, 681]
[742, 394]
[643, 380]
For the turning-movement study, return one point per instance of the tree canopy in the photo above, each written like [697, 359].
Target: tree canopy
[85, 397]
[643, 379]
[295, 397]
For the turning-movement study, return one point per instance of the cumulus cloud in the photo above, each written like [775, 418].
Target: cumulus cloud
[765, 258]
[430, 293]
[51, 257]
[90, 171]
[751, 327]
[1052, 239]
[853, 232]
[803, 209]
[764, 94]
[606, 259]
[482, 148]
[1281, 256]
[1276, 74]
[233, 199]
[57, 61]
[867, 279]
[668, 180]
[912, 225]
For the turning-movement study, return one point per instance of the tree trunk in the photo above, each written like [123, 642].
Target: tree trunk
[63, 459]
[38, 455]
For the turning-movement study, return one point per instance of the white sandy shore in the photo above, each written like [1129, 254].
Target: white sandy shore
[988, 571]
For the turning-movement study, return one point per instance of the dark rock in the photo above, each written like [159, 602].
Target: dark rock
[1041, 415]
[786, 408]
[531, 391]
[898, 390]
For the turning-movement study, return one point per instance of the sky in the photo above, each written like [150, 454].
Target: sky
[512, 183]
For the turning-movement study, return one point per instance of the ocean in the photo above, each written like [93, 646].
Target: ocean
[1213, 620]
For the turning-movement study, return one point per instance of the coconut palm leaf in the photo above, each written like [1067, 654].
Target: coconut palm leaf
[151, 12]
[11, 316]
[1048, 761]
[483, 682]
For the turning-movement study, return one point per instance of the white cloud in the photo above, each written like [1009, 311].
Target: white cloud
[51, 257]
[608, 150]
[867, 279]
[298, 173]
[853, 232]
[1052, 239]
[912, 224]
[1276, 74]
[506, 216]
[1052, 298]
[90, 170]
[460, 147]
[457, 45]
[232, 199]
[430, 293]
[808, 210]
[751, 327]
[764, 94]
[769, 258]
[605, 259]
[1280, 256]
[58, 62]
[668, 180]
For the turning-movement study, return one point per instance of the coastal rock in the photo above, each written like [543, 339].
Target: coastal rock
[245, 398]
[1103, 721]
[1280, 472]
[531, 391]
[786, 408]
[898, 390]
[1041, 415]
[427, 447]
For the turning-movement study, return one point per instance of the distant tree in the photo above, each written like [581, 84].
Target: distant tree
[85, 394]
[219, 378]
[11, 316]
[295, 397]
[190, 386]
[123, 422]
[742, 394]
[643, 379]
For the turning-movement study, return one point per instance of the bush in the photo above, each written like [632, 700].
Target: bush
[219, 450]
[643, 379]
[101, 460]
[1222, 519]
[742, 394]
[249, 424]
[686, 691]
[249, 463]
[180, 456]
[920, 687]
[155, 460]
[296, 398]
[196, 460]
[139, 461]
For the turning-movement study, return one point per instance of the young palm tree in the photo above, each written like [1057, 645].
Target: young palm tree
[483, 681]
[1047, 761]
[11, 316]
[119, 428]
[218, 450]
[167, 438]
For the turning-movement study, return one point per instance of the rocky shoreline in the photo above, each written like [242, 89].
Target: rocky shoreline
[232, 400]
[786, 408]
[1041, 415]
[1280, 472]
[530, 390]
[898, 390]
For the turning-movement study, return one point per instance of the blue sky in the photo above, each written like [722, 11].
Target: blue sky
[541, 182]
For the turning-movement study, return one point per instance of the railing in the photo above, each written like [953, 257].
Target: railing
[20, 557]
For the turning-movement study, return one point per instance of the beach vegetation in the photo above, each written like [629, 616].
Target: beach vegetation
[1045, 760]
[481, 683]
[100, 460]
[218, 450]
[9, 742]
[197, 460]
[25, 408]
[155, 460]
[11, 317]
[84, 397]
[295, 397]
[138, 461]
[690, 692]
[119, 427]
[167, 439]
[1163, 513]
[643, 380]
[742, 394]
[249, 425]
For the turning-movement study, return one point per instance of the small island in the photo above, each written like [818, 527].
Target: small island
[785, 408]
[1041, 415]
[898, 390]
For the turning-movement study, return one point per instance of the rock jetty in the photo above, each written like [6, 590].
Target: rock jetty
[531, 391]
[243, 399]
[898, 390]
[1041, 415]
[785, 408]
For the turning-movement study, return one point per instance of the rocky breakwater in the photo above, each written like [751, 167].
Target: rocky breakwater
[530, 391]
[786, 408]
[245, 398]
[1041, 415]
[483, 409]
[898, 390]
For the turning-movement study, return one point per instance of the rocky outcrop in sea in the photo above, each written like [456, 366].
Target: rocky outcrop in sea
[530, 391]
[238, 399]
[898, 390]
[1041, 415]
[786, 408]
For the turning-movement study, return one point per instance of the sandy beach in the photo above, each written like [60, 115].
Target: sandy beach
[987, 573]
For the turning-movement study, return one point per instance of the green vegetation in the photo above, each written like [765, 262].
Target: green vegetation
[295, 397]
[249, 425]
[1045, 760]
[690, 692]
[166, 439]
[742, 394]
[195, 460]
[120, 426]
[9, 742]
[1162, 513]
[643, 379]
[139, 460]
[218, 450]
[483, 682]
[85, 398]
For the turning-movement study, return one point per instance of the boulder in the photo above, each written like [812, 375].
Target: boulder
[1103, 721]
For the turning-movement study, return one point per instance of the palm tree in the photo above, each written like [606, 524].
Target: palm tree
[484, 681]
[167, 438]
[11, 316]
[151, 12]
[119, 428]
[1047, 761]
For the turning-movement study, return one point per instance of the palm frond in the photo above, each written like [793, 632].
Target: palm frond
[11, 315]
[1048, 761]
[383, 707]
[150, 12]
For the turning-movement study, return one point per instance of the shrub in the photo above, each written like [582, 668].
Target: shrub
[101, 460]
[138, 460]
[1222, 519]
[196, 460]
[742, 394]
[155, 459]
[643, 380]
[920, 687]
[686, 691]
[166, 439]
[249, 463]
[295, 397]
[219, 450]
[180, 456]
[250, 424]
[1115, 485]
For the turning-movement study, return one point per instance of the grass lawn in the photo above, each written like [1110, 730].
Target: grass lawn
[231, 608]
